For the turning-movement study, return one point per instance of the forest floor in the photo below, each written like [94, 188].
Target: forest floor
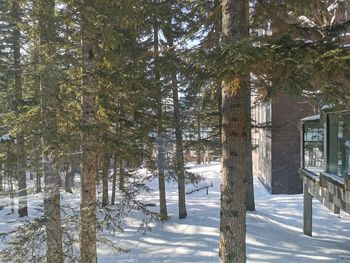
[274, 229]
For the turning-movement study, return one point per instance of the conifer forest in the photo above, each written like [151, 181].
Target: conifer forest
[174, 131]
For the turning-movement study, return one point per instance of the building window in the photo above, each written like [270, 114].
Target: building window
[313, 147]
[268, 113]
[339, 144]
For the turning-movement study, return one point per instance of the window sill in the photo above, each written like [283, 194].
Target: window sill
[310, 175]
[332, 178]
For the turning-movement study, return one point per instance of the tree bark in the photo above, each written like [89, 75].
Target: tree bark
[219, 91]
[236, 134]
[105, 175]
[161, 151]
[10, 183]
[199, 150]
[69, 179]
[250, 203]
[180, 166]
[88, 225]
[38, 170]
[121, 176]
[38, 176]
[49, 93]
[114, 180]
[20, 148]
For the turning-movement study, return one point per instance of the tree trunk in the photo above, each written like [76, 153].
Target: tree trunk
[161, 148]
[219, 90]
[180, 166]
[37, 94]
[199, 150]
[21, 176]
[10, 182]
[105, 175]
[236, 135]
[52, 212]
[250, 203]
[89, 157]
[9, 171]
[38, 175]
[49, 93]
[20, 150]
[38, 170]
[69, 179]
[121, 176]
[114, 180]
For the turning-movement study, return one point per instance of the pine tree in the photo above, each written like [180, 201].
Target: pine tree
[236, 130]
[17, 68]
[49, 93]
[172, 32]
[89, 157]
[160, 129]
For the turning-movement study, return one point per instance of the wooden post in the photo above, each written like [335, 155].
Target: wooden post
[307, 211]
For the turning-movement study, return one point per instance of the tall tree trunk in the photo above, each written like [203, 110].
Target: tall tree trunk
[114, 180]
[121, 176]
[161, 147]
[105, 175]
[199, 150]
[38, 176]
[236, 135]
[219, 91]
[38, 170]
[69, 179]
[10, 182]
[20, 150]
[89, 157]
[9, 172]
[37, 94]
[250, 203]
[180, 166]
[49, 92]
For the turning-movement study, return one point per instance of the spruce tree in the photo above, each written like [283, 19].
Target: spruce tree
[88, 253]
[17, 68]
[49, 90]
[236, 130]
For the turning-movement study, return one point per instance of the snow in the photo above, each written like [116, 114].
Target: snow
[306, 22]
[312, 118]
[274, 230]
[5, 138]
[333, 6]
[347, 143]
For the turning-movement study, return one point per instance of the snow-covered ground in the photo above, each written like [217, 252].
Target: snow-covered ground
[274, 230]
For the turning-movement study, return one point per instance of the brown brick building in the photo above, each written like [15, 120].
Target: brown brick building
[276, 138]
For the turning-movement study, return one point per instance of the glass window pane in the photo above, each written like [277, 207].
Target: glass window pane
[339, 143]
[313, 148]
[345, 143]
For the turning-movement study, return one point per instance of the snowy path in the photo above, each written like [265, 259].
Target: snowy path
[274, 230]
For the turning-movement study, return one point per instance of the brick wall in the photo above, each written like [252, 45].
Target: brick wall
[286, 113]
